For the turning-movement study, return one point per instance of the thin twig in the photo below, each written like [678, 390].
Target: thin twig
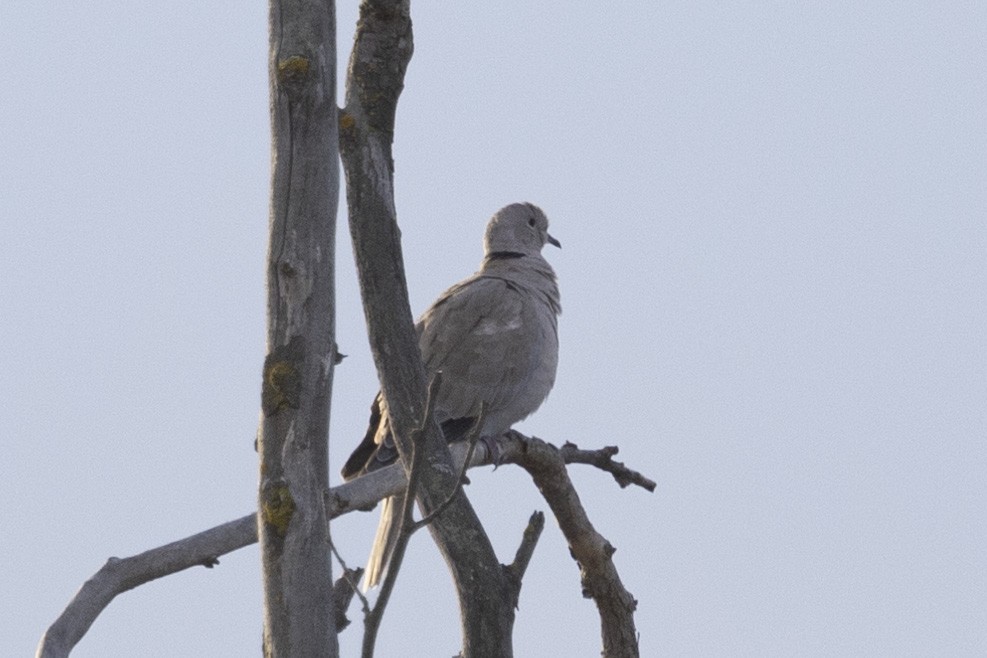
[353, 575]
[374, 617]
[472, 437]
[601, 458]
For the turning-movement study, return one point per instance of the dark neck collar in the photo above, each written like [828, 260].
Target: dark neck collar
[504, 255]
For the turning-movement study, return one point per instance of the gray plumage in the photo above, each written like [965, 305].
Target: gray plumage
[494, 336]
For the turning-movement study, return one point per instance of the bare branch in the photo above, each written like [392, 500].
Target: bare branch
[120, 575]
[592, 551]
[516, 569]
[204, 548]
[601, 458]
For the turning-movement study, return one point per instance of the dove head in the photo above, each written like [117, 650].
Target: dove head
[520, 228]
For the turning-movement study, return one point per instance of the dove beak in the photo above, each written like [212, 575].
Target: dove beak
[552, 241]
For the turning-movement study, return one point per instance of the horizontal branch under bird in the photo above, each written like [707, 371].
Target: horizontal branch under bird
[119, 575]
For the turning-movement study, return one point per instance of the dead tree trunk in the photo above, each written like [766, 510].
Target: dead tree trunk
[292, 521]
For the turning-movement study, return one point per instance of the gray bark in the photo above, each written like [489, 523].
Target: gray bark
[297, 379]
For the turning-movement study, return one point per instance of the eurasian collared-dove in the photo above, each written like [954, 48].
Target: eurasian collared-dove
[495, 338]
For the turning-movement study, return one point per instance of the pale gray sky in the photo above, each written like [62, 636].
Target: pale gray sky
[775, 227]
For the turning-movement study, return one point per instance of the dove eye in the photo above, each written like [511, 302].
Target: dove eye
[531, 222]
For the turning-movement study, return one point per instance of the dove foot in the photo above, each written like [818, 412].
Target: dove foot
[493, 450]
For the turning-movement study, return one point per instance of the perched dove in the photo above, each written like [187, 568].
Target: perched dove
[495, 338]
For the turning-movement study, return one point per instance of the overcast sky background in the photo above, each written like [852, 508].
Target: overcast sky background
[774, 222]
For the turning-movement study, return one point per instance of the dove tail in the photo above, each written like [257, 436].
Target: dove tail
[387, 535]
